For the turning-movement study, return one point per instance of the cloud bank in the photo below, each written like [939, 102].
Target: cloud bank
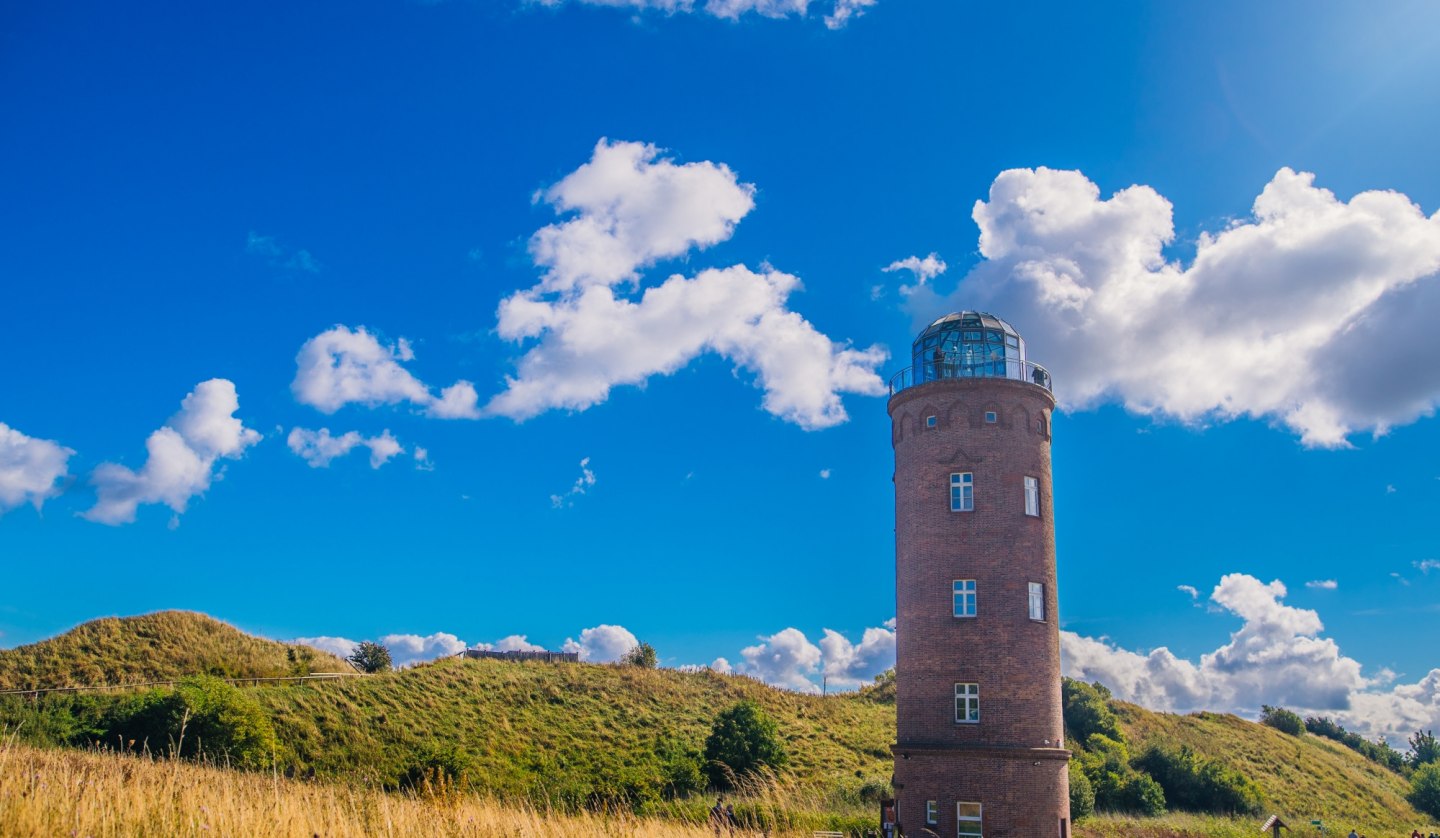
[31, 469]
[181, 456]
[632, 208]
[1312, 312]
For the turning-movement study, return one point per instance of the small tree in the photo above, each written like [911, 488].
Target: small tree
[1424, 749]
[1082, 794]
[1425, 789]
[642, 656]
[370, 657]
[1285, 721]
[742, 740]
[1087, 711]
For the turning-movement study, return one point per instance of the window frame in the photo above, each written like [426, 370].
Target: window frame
[932, 812]
[959, 594]
[992, 416]
[932, 421]
[971, 696]
[970, 826]
[1035, 601]
[1032, 496]
[962, 491]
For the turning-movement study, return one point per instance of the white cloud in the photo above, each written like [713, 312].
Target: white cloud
[602, 644]
[841, 11]
[848, 664]
[1276, 657]
[824, 474]
[1322, 584]
[181, 456]
[632, 208]
[784, 659]
[407, 649]
[422, 459]
[512, 643]
[318, 448]
[1277, 316]
[722, 666]
[342, 366]
[338, 646]
[1427, 565]
[1188, 589]
[30, 469]
[924, 270]
[582, 483]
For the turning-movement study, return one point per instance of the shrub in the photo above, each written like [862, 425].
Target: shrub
[1378, 751]
[680, 769]
[1082, 794]
[1425, 789]
[1285, 721]
[436, 767]
[1087, 711]
[1199, 785]
[1424, 749]
[742, 741]
[1141, 795]
[642, 656]
[201, 716]
[370, 657]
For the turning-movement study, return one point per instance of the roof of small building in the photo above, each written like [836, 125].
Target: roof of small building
[968, 319]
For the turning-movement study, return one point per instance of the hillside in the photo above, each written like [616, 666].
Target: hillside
[153, 647]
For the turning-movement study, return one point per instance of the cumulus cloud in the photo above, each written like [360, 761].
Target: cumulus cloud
[181, 456]
[789, 659]
[31, 469]
[1322, 584]
[512, 643]
[407, 649]
[582, 483]
[1277, 316]
[602, 644]
[1277, 657]
[839, 13]
[785, 659]
[631, 208]
[338, 646]
[924, 270]
[849, 664]
[319, 448]
[343, 366]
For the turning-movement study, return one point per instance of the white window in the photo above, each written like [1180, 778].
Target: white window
[1032, 496]
[931, 421]
[1037, 600]
[962, 492]
[964, 592]
[967, 704]
[932, 812]
[969, 820]
[991, 417]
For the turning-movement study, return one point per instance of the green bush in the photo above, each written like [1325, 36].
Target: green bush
[1285, 721]
[370, 657]
[1082, 794]
[680, 769]
[1199, 785]
[1378, 751]
[1140, 795]
[1425, 789]
[436, 766]
[742, 740]
[1087, 711]
[642, 656]
[202, 716]
[1424, 749]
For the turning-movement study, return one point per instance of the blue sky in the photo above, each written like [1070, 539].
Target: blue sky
[478, 195]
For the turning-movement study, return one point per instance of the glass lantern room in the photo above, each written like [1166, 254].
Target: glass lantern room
[969, 344]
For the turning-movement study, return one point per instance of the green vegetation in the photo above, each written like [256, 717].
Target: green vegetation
[155, 647]
[1425, 789]
[370, 657]
[1285, 721]
[742, 741]
[1379, 752]
[642, 656]
[1424, 749]
[1196, 784]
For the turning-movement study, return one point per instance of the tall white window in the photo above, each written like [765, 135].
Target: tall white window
[932, 812]
[962, 492]
[967, 704]
[970, 820]
[1032, 496]
[964, 593]
[1037, 600]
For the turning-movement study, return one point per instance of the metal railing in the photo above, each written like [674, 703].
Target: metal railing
[1011, 368]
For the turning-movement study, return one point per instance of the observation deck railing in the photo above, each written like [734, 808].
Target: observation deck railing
[1011, 368]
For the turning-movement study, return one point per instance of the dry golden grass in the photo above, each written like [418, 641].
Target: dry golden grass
[100, 795]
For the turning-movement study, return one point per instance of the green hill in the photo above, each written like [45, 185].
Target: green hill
[155, 647]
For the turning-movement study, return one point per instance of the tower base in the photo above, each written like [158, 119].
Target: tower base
[1023, 792]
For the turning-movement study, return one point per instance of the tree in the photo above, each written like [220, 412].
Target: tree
[370, 657]
[742, 740]
[1285, 721]
[1424, 749]
[642, 656]
[1087, 711]
[1082, 794]
[1425, 789]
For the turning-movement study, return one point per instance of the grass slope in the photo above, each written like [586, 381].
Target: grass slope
[154, 647]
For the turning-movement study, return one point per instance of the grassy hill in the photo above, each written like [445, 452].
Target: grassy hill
[574, 735]
[154, 647]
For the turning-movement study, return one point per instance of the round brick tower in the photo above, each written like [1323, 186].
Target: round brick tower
[980, 748]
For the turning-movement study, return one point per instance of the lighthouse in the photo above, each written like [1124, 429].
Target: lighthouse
[980, 745]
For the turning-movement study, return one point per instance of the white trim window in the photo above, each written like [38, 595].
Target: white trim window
[1037, 601]
[932, 812]
[967, 704]
[962, 492]
[963, 592]
[1032, 497]
[969, 820]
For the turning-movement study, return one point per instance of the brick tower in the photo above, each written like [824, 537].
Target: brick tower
[980, 747]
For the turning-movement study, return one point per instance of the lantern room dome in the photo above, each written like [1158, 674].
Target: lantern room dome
[969, 344]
